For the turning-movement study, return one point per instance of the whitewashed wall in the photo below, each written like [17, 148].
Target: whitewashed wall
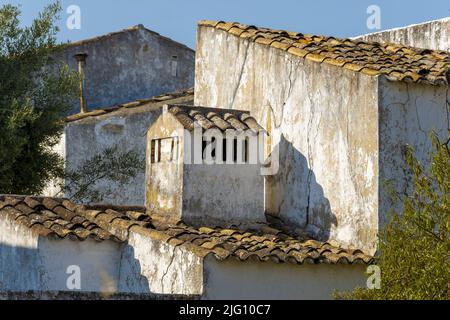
[158, 267]
[408, 113]
[238, 280]
[29, 262]
[223, 194]
[32, 263]
[322, 119]
[433, 35]
[146, 266]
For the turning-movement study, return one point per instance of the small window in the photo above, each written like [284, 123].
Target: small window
[174, 66]
[163, 150]
[155, 155]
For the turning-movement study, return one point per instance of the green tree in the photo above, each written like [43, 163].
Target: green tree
[106, 168]
[35, 93]
[414, 246]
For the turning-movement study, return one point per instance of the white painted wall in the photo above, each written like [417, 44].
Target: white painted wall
[143, 265]
[324, 122]
[87, 138]
[19, 261]
[232, 279]
[32, 263]
[98, 262]
[433, 35]
[158, 267]
[223, 194]
[29, 262]
[408, 112]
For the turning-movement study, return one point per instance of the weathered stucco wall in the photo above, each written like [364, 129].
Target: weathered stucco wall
[237, 280]
[89, 137]
[141, 266]
[431, 35]
[131, 65]
[164, 176]
[158, 267]
[35, 266]
[29, 262]
[125, 129]
[223, 194]
[408, 112]
[18, 257]
[322, 119]
[198, 194]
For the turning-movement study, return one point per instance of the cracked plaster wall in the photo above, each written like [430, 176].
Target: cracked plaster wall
[30, 262]
[130, 65]
[408, 112]
[158, 267]
[322, 119]
[238, 280]
[432, 35]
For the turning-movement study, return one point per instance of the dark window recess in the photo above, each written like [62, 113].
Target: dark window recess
[174, 66]
[155, 152]
[225, 151]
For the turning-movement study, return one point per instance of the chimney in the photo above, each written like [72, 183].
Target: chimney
[81, 60]
[202, 167]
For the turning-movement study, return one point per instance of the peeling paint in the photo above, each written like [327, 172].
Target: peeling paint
[339, 132]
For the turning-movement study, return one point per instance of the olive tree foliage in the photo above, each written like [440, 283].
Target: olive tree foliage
[91, 181]
[33, 100]
[414, 246]
[36, 92]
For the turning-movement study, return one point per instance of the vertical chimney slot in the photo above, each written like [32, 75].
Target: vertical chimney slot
[81, 60]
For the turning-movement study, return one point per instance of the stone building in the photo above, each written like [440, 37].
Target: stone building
[52, 247]
[135, 63]
[128, 75]
[123, 126]
[336, 114]
[433, 35]
[338, 111]
[178, 171]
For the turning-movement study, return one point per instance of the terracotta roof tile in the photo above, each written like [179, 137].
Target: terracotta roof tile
[126, 30]
[212, 118]
[187, 96]
[60, 218]
[396, 62]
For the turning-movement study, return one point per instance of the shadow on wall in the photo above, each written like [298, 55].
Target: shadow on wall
[44, 270]
[294, 195]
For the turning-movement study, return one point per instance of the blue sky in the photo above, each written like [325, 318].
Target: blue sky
[177, 18]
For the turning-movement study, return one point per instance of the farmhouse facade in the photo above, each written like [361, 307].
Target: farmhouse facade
[335, 115]
[434, 35]
[338, 112]
[135, 63]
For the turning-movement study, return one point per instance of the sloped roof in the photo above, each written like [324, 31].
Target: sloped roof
[396, 62]
[126, 30]
[213, 118]
[59, 218]
[184, 96]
